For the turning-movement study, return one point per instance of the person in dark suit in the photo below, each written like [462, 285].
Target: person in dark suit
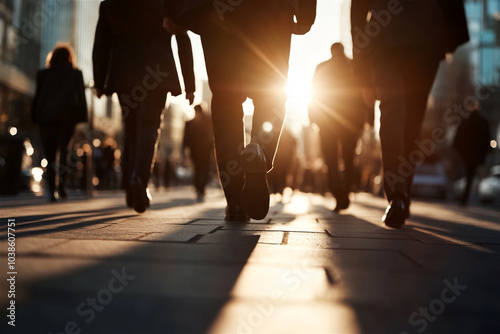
[133, 57]
[399, 45]
[472, 142]
[246, 46]
[337, 107]
[59, 104]
[198, 138]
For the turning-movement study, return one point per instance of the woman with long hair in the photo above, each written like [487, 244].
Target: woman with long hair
[58, 106]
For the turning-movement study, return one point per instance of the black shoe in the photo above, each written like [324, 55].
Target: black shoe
[255, 192]
[236, 214]
[395, 214]
[342, 204]
[139, 194]
[63, 193]
[53, 197]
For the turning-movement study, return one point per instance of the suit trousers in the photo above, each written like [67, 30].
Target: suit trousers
[245, 63]
[142, 118]
[403, 81]
[340, 182]
[55, 138]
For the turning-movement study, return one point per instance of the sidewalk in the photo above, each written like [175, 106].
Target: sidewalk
[94, 266]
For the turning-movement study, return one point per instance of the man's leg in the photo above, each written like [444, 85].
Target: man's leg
[389, 79]
[65, 135]
[329, 147]
[418, 85]
[348, 143]
[266, 70]
[147, 130]
[223, 61]
[48, 136]
[130, 121]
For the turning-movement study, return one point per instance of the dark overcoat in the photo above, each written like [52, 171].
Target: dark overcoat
[131, 49]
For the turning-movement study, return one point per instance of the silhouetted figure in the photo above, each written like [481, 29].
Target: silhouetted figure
[58, 106]
[133, 57]
[284, 162]
[339, 111]
[246, 46]
[472, 142]
[402, 58]
[198, 139]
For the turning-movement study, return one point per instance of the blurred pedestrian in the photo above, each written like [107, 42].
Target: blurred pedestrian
[198, 138]
[133, 57]
[472, 142]
[246, 46]
[337, 107]
[402, 59]
[59, 104]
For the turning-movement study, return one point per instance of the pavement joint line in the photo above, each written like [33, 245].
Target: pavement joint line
[190, 222]
[368, 238]
[99, 228]
[142, 236]
[284, 241]
[409, 258]
[131, 259]
[215, 230]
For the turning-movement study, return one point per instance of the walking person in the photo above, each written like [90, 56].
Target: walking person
[339, 111]
[198, 139]
[59, 104]
[133, 57]
[472, 142]
[246, 48]
[402, 59]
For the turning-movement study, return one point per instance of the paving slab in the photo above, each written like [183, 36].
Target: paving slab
[91, 264]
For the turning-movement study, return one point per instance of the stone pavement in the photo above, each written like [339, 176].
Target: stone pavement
[94, 266]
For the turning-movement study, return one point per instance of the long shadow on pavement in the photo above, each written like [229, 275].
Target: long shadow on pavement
[147, 287]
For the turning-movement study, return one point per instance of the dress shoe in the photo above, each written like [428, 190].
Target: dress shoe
[235, 213]
[63, 193]
[342, 204]
[53, 197]
[140, 194]
[255, 192]
[395, 214]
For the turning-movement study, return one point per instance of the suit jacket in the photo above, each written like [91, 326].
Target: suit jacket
[60, 96]
[132, 49]
[197, 15]
[432, 26]
[337, 103]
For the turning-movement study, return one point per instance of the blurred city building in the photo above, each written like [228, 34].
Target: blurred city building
[472, 73]
[20, 39]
